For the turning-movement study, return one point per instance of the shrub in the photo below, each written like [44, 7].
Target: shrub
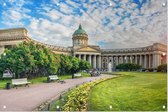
[84, 65]
[128, 66]
[71, 64]
[150, 69]
[162, 68]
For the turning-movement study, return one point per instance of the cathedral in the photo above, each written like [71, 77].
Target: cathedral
[148, 57]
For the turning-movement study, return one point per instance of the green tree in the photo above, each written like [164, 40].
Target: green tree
[65, 64]
[33, 60]
[75, 64]
[29, 60]
[84, 65]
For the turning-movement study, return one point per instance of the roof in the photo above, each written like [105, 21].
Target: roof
[154, 47]
[13, 34]
[92, 48]
[79, 31]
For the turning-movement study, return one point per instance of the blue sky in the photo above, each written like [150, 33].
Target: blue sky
[109, 23]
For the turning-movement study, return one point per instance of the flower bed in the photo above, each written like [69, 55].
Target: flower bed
[78, 97]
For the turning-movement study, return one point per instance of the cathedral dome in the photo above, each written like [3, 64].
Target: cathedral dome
[79, 32]
[80, 37]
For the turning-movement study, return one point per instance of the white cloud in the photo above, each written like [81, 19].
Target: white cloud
[4, 4]
[13, 16]
[57, 28]
[55, 32]
[66, 9]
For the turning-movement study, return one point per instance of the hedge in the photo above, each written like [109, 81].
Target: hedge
[128, 66]
[162, 68]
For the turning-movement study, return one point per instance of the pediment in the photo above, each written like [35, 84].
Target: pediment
[87, 49]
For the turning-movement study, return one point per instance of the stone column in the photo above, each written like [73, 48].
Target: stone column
[131, 58]
[145, 61]
[112, 62]
[116, 60]
[90, 60]
[106, 63]
[140, 62]
[94, 61]
[157, 60]
[126, 59]
[84, 57]
[79, 56]
[159, 56]
[149, 61]
[136, 59]
[154, 60]
[99, 62]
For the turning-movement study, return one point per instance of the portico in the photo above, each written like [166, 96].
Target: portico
[93, 58]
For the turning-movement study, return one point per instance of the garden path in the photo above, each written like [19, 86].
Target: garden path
[29, 98]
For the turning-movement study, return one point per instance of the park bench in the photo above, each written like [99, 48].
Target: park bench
[55, 77]
[52, 78]
[22, 81]
[78, 75]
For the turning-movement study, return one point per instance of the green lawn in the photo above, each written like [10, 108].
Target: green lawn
[39, 79]
[134, 91]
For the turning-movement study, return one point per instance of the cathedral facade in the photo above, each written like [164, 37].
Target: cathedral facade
[148, 57]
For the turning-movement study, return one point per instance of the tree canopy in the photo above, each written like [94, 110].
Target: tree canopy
[32, 60]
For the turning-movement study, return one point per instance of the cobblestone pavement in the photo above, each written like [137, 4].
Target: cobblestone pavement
[29, 98]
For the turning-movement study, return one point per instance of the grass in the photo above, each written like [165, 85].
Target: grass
[40, 79]
[3, 83]
[135, 91]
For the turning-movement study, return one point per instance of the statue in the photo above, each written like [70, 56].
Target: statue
[109, 67]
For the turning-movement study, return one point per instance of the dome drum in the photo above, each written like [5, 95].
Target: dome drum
[80, 35]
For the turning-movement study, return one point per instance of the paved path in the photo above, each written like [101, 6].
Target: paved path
[27, 99]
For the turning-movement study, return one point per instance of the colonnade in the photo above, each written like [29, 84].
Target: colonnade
[93, 59]
[151, 60]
